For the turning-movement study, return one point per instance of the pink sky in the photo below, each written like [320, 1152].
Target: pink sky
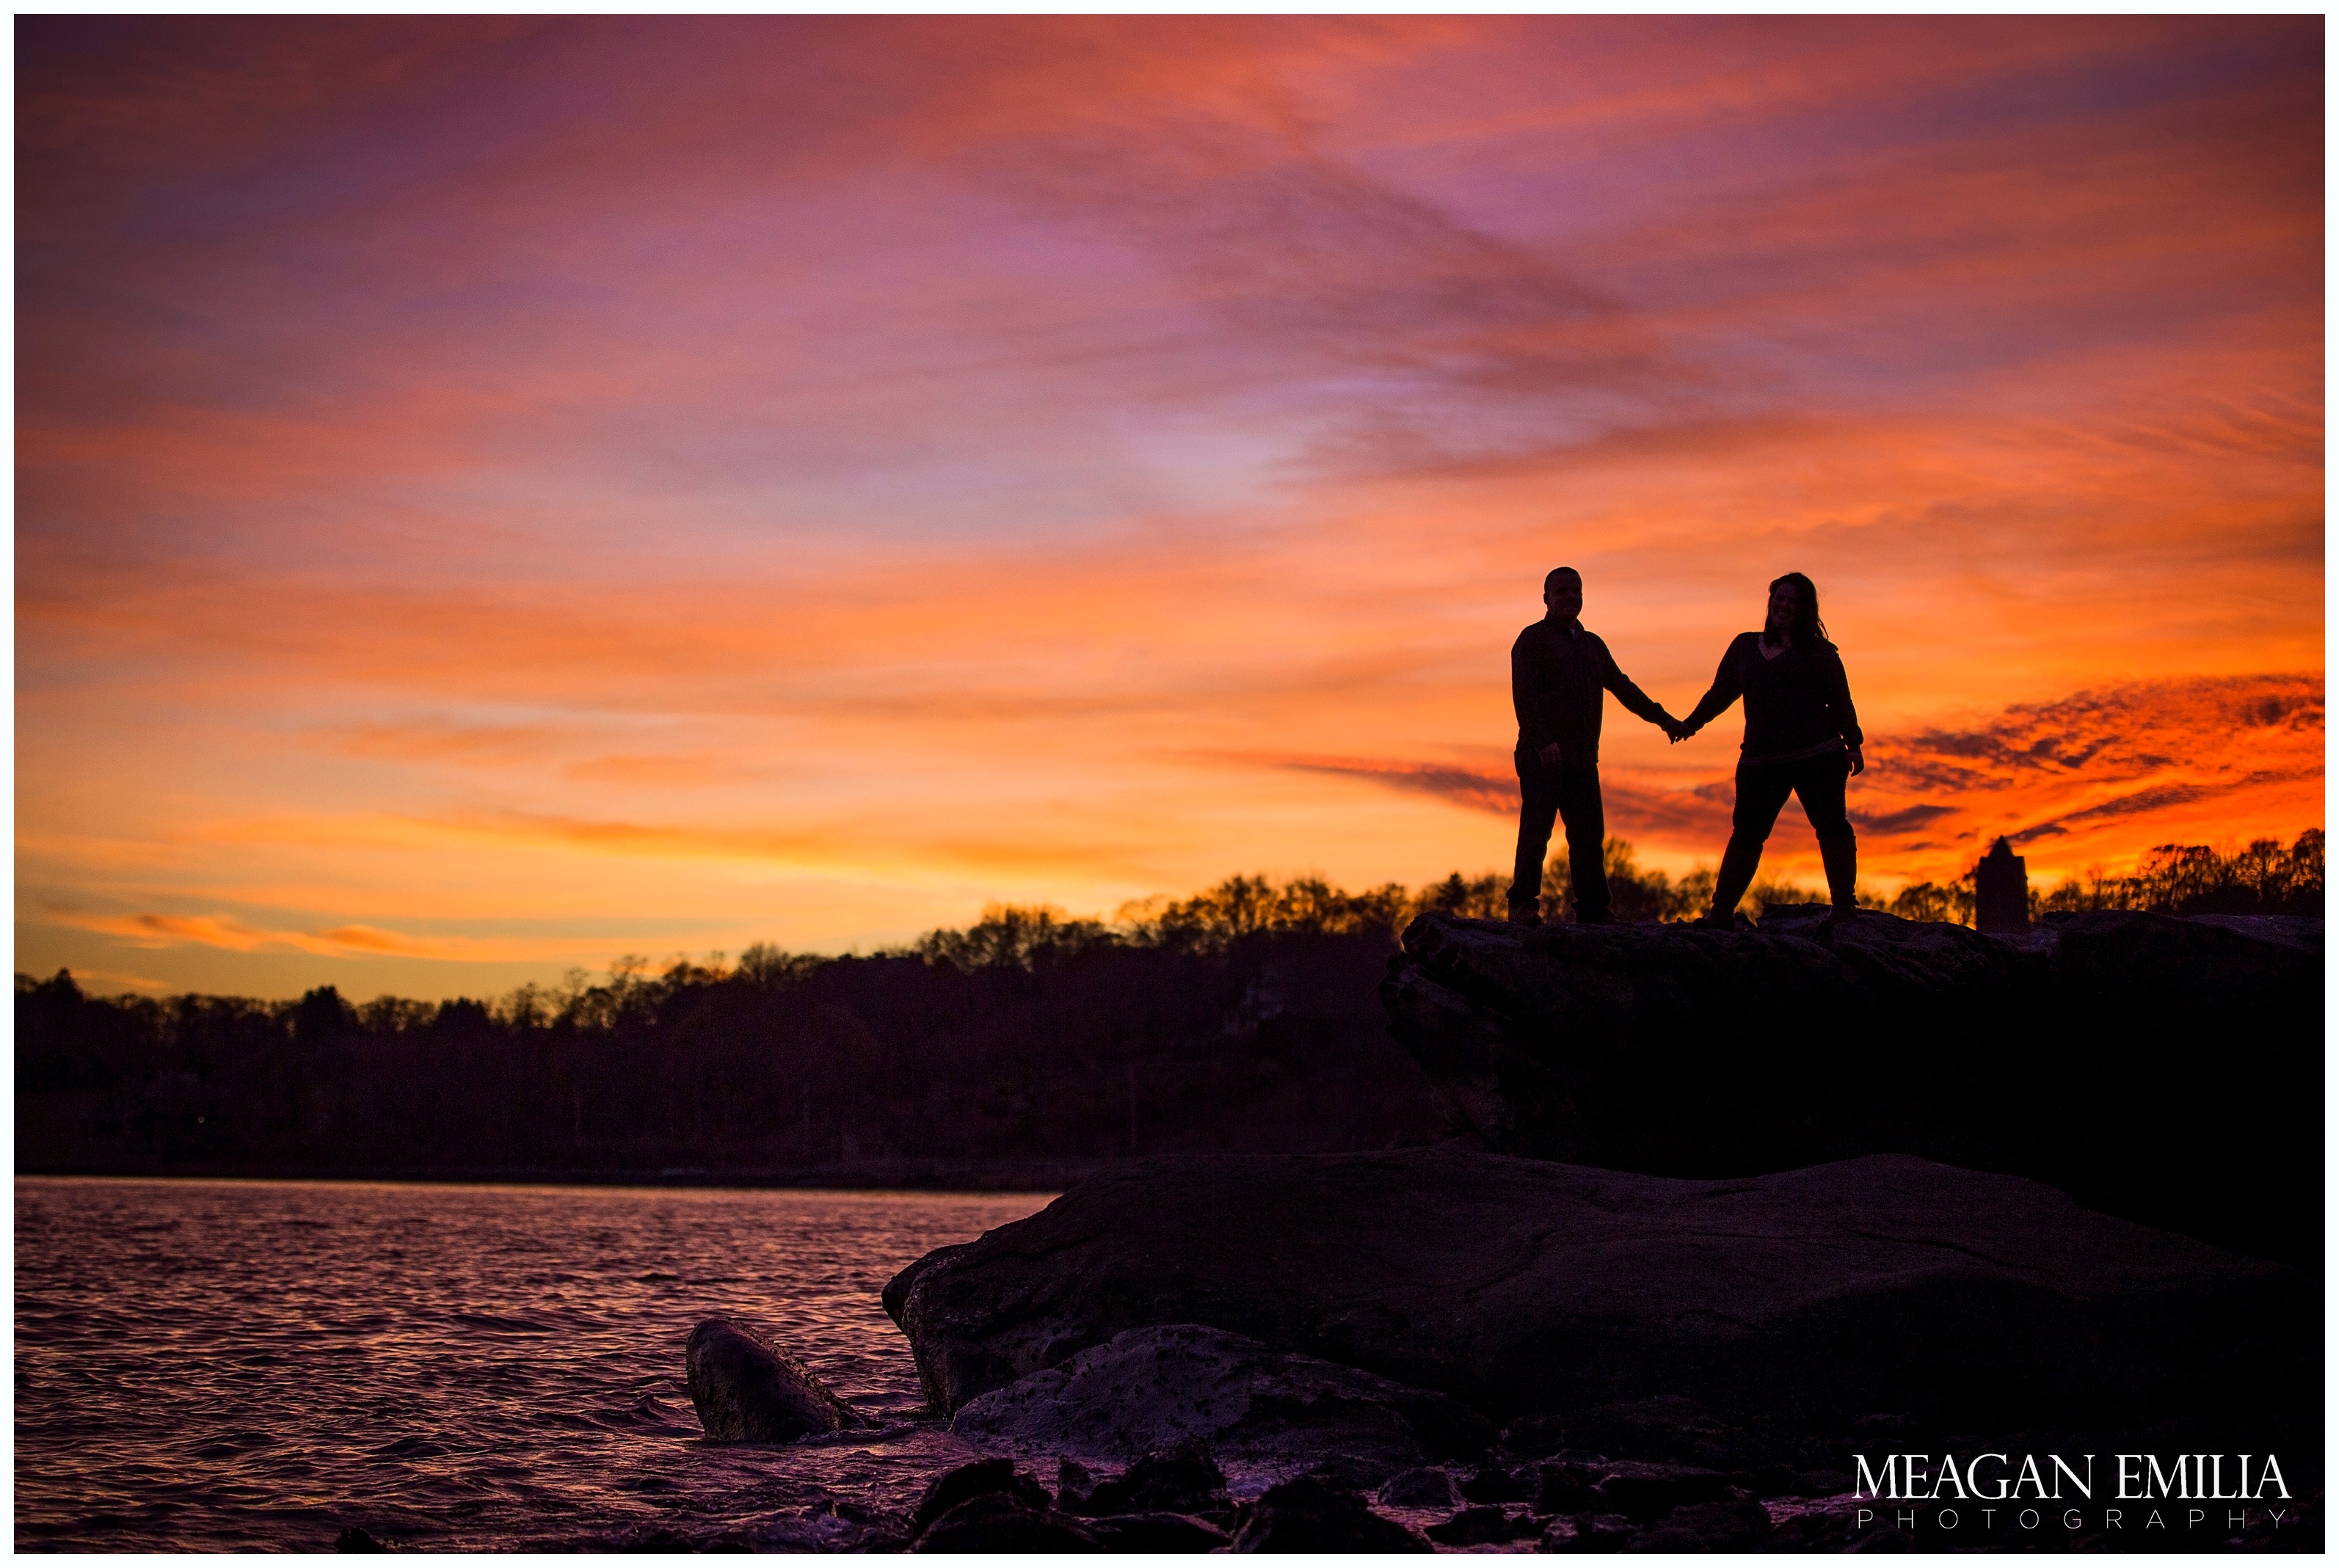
[497, 494]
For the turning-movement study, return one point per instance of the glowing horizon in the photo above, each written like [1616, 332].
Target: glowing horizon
[494, 494]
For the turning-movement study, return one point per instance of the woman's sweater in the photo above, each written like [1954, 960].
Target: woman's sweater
[1798, 705]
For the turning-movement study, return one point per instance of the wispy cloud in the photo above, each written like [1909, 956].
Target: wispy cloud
[231, 934]
[1480, 788]
[855, 844]
[442, 741]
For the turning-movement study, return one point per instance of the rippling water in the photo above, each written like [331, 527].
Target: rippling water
[240, 1366]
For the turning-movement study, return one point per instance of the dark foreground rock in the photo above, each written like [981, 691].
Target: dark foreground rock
[1151, 1388]
[1640, 1489]
[984, 1478]
[1600, 1532]
[1426, 1487]
[991, 1506]
[1001, 1522]
[1883, 1284]
[1727, 1526]
[1183, 1480]
[2165, 1070]
[1313, 1513]
[1484, 1526]
[1157, 1533]
[1666, 1428]
[748, 1390]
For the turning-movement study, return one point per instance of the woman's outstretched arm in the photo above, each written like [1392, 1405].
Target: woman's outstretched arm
[1728, 686]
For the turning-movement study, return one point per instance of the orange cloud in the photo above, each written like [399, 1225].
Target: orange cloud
[852, 845]
[233, 935]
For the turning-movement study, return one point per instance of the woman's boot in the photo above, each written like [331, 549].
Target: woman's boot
[1730, 883]
[1841, 856]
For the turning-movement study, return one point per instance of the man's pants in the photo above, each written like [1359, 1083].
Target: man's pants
[1570, 792]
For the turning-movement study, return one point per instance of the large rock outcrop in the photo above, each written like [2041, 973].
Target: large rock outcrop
[2165, 1071]
[1882, 1284]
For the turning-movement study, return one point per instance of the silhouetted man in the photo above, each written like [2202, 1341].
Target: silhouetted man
[1558, 671]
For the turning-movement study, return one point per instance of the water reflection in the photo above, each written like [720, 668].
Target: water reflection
[225, 1366]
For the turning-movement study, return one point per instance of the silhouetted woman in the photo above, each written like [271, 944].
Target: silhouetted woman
[1802, 737]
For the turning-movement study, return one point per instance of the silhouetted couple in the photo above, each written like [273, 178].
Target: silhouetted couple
[1802, 739]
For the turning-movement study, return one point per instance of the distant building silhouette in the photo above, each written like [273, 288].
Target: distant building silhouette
[2001, 892]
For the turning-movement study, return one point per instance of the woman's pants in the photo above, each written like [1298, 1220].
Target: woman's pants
[1762, 790]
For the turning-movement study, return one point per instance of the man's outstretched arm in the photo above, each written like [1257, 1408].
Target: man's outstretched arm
[1637, 701]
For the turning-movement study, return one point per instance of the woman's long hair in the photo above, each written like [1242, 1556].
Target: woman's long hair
[1808, 629]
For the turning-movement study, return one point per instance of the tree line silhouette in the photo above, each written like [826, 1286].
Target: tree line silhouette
[1244, 1018]
[2264, 878]
[2172, 879]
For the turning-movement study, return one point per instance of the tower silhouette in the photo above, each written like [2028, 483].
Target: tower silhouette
[2001, 892]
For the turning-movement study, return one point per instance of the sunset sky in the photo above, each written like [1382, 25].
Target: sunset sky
[497, 494]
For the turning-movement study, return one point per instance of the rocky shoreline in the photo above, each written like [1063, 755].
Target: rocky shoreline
[1663, 1473]
[1464, 1348]
[1445, 1349]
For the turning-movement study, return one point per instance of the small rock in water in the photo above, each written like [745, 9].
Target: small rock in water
[1075, 1482]
[1004, 1522]
[980, 1479]
[830, 1524]
[1313, 1514]
[1426, 1487]
[748, 1390]
[357, 1539]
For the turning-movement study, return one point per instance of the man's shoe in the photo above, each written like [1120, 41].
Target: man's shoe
[1710, 921]
[1524, 914]
[1603, 918]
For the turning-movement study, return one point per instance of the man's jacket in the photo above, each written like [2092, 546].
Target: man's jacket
[1558, 671]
